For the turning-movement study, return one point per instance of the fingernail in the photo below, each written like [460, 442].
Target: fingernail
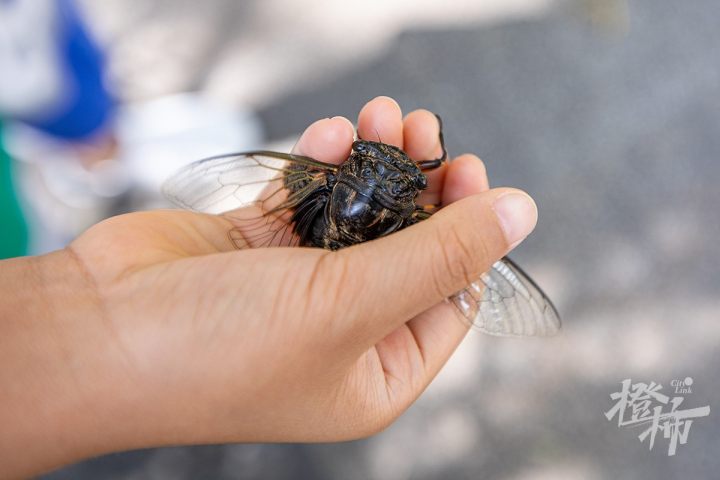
[517, 214]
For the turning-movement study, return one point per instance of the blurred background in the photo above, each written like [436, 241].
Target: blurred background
[606, 111]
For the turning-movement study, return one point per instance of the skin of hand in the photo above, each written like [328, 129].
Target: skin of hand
[151, 329]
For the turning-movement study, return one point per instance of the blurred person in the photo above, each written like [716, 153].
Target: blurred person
[58, 111]
[84, 155]
[151, 329]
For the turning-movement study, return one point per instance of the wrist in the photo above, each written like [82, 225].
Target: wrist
[55, 365]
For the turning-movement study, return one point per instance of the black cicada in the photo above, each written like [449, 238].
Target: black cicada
[280, 199]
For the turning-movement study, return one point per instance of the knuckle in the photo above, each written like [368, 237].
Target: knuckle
[457, 258]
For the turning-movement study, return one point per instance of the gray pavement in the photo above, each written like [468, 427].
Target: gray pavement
[615, 130]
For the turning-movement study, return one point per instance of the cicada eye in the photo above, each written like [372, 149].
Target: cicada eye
[421, 182]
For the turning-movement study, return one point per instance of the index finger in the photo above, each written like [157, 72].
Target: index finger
[328, 140]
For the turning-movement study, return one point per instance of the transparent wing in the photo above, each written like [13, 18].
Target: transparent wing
[506, 301]
[255, 190]
[227, 182]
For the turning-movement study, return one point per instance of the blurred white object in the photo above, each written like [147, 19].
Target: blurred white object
[159, 136]
[154, 139]
[62, 197]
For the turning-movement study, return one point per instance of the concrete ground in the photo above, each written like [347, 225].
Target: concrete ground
[608, 113]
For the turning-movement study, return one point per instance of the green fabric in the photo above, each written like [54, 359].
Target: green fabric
[13, 229]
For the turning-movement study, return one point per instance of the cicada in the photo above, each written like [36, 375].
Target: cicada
[281, 199]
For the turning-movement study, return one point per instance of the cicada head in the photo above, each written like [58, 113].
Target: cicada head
[389, 168]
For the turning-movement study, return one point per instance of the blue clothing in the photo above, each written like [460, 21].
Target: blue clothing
[83, 106]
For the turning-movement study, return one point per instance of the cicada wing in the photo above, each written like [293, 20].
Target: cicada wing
[255, 190]
[506, 301]
[227, 182]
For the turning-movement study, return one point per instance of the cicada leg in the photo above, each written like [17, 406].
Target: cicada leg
[420, 214]
[426, 165]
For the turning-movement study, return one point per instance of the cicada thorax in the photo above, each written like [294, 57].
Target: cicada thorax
[374, 195]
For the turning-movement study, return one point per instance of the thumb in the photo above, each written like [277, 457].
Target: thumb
[399, 276]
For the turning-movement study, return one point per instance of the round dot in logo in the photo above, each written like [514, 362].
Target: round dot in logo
[688, 381]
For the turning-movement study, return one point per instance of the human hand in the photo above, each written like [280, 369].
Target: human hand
[192, 341]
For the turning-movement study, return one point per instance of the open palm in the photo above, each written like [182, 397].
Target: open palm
[289, 344]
